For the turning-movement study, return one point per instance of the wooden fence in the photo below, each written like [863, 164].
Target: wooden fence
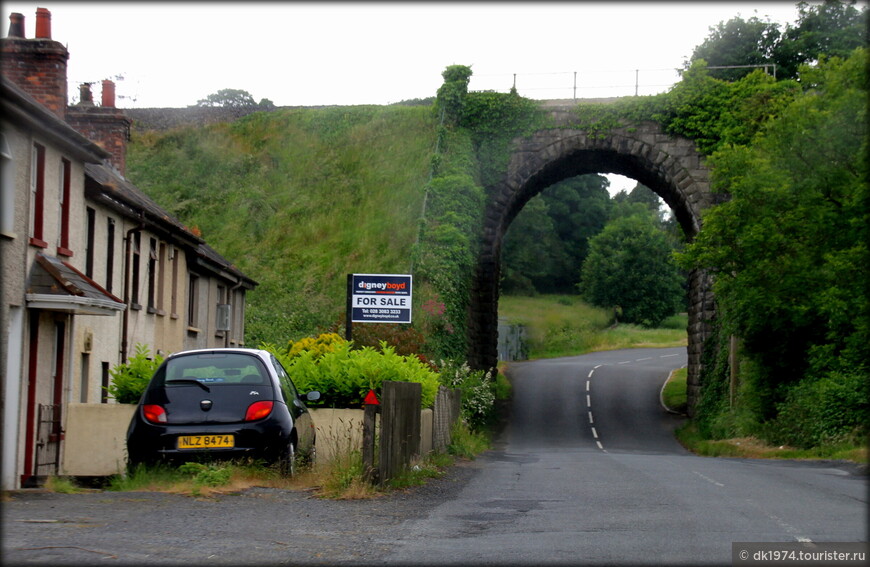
[389, 454]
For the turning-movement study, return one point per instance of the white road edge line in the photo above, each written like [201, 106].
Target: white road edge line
[662, 393]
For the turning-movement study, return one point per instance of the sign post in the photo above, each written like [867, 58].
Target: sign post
[378, 298]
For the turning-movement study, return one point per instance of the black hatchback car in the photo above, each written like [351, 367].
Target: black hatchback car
[222, 403]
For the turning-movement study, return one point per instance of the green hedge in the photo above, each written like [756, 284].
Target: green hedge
[344, 376]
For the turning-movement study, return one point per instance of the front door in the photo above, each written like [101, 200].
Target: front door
[44, 431]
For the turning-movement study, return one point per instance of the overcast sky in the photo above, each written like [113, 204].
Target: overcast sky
[171, 54]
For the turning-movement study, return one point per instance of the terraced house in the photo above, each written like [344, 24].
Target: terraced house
[91, 267]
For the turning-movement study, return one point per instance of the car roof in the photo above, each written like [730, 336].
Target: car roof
[252, 351]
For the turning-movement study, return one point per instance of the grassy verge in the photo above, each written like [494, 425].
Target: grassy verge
[340, 478]
[674, 393]
[564, 325]
[674, 397]
[754, 448]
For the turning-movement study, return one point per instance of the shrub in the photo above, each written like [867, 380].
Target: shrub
[478, 391]
[825, 411]
[129, 380]
[344, 375]
[324, 343]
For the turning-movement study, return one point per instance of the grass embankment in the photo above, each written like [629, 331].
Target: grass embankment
[564, 325]
[297, 199]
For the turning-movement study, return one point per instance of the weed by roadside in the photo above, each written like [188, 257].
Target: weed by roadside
[674, 397]
[754, 448]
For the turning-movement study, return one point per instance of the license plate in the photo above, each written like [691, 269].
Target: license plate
[206, 441]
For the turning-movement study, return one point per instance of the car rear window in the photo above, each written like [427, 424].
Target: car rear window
[215, 369]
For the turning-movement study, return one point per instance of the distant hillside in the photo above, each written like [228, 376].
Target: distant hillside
[297, 198]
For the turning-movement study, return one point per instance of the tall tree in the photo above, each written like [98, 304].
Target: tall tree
[230, 98]
[830, 29]
[789, 247]
[833, 29]
[547, 242]
[738, 42]
[630, 267]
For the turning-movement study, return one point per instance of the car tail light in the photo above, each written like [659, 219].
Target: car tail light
[258, 410]
[154, 413]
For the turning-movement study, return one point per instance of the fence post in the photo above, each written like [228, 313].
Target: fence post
[444, 415]
[370, 411]
[400, 427]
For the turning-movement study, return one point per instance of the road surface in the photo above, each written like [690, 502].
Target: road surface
[588, 472]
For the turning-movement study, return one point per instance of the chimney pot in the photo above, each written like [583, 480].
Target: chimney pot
[86, 97]
[43, 23]
[108, 94]
[16, 25]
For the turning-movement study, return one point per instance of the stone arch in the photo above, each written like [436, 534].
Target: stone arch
[670, 166]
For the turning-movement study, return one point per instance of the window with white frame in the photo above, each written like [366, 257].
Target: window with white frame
[37, 195]
[7, 189]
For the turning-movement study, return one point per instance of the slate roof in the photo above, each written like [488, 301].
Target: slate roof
[57, 285]
[105, 185]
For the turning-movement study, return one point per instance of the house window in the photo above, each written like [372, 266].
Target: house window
[37, 195]
[110, 253]
[240, 327]
[7, 190]
[222, 319]
[161, 269]
[85, 378]
[104, 380]
[89, 244]
[193, 301]
[137, 241]
[64, 194]
[173, 256]
[152, 275]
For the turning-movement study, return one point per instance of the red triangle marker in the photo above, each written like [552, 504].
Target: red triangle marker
[371, 399]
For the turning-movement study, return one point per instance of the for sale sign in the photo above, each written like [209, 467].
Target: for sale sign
[380, 298]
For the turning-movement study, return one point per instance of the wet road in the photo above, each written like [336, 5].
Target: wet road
[588, 472]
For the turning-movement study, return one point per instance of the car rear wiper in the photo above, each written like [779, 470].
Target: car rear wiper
[189, 381]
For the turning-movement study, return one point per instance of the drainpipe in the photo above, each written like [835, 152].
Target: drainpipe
[128, 244]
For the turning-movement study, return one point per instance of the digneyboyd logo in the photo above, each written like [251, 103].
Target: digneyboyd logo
[382, 285]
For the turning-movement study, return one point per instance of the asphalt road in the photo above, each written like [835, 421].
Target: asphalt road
[586, 472]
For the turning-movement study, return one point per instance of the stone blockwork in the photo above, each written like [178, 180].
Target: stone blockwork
[670, 166]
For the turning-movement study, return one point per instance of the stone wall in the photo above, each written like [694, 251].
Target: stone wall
[670, 166]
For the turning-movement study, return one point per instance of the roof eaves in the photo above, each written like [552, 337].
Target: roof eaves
[23, 109]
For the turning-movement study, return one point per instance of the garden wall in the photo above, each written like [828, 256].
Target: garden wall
[95, 439]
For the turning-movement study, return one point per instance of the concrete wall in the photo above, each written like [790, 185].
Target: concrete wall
[96, 434]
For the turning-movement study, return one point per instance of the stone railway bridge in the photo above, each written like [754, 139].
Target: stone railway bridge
[670, 166]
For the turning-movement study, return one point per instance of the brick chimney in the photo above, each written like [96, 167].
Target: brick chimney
[38, 66]
[105, 125]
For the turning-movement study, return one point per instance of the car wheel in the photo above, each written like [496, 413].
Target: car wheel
[287, 462]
